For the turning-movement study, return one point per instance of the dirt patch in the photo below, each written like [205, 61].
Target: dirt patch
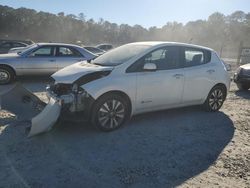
[184, 147]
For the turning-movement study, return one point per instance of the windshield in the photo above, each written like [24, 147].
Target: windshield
[120, 55]
[28, 48]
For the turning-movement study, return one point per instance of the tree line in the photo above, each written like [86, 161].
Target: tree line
[220, 32]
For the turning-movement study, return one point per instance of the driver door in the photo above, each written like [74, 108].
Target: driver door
[41, 61]
[163, 87]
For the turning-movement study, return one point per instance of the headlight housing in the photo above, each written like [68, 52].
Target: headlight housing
[245, 71]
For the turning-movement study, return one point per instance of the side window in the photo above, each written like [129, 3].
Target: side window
[165, 58]
[68, 52]
[43, 52]
[195, 57]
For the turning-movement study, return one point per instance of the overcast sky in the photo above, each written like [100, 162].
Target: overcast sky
[143, 12]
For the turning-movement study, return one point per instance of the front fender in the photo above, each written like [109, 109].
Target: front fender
[125, 84]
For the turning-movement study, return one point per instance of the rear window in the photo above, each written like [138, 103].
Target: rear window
[68, 52]
[195, 57]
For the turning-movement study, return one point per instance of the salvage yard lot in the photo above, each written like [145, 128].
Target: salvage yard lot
[182, 147]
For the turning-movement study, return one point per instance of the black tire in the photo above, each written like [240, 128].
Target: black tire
[7, 75]
[110, 112]
[215, 99]
[243, 87]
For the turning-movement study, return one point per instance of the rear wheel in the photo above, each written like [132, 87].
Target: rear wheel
[6, 75]
[215, 99]
[243, 86]
[109, 112]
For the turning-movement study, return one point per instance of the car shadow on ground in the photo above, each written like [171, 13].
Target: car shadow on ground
[243, 94]
[160, 149]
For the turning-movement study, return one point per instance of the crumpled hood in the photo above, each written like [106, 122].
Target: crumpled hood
[8, 56]
[73, 72]
[246, 66]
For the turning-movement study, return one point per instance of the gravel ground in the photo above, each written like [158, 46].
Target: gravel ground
[184, 147]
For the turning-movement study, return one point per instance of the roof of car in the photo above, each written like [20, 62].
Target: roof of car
[160, 43]
[104, 44]
[150, 43]
[57, 44]
[22, 41]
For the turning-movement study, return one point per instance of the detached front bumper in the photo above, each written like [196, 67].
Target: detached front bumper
[65, 107]
[44, 121]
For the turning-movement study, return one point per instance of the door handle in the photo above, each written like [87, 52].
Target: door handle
[177, 76]
[210, 71]
[52, 60]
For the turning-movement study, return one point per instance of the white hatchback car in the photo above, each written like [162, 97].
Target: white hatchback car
[140, 77]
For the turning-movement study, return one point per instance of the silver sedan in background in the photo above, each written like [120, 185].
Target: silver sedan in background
[41, 59]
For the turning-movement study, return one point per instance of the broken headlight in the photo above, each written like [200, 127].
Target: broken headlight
[60, 89]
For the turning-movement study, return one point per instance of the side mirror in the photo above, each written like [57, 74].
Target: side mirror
[149, 67]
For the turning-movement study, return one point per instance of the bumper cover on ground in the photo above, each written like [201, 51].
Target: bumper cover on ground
[44, 121]
[27, 106]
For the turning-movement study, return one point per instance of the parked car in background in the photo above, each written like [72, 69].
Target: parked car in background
[94, 50]
[140, 77]
[7, 45]
[245, 56]
[105, 47]
[19, 49]
[41, 59]
[242, 77]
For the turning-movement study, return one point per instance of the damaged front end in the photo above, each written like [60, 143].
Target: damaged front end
[66, 95]
[64, 100]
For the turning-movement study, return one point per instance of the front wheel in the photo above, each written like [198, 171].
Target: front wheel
[109, 112]
[215, 99]
[6, 75]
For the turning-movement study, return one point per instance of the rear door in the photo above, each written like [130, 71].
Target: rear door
[68, 55]
[199, 74]
[40, 61]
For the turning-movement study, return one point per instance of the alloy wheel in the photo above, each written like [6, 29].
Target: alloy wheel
[216, 99]
[111, 114]
[4, 76]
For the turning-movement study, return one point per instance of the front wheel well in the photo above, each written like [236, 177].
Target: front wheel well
[9, 67]
[121, 94]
